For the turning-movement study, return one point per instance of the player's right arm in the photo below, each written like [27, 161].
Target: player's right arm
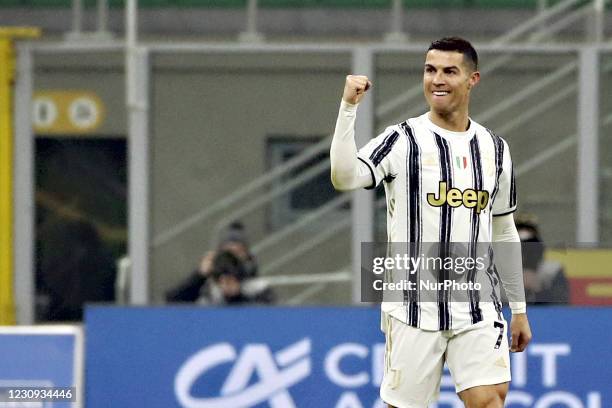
[347, 171]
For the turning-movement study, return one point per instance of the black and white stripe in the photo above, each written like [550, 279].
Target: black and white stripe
[446, 214]
[492, 273]
[384, 148]
[423, 214]
[512, 189]
[498, 144]
[380, 146]
[494, 280]
[415, 228]
[473, 295]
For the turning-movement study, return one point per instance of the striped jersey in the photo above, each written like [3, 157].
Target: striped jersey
[442, 187]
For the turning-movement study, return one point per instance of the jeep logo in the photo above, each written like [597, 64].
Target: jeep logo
[454, 197]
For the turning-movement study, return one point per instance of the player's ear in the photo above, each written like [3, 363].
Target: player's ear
[474, 79]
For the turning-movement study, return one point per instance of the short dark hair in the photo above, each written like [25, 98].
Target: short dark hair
[459, 45]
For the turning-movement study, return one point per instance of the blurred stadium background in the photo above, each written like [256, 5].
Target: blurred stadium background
[154, 126]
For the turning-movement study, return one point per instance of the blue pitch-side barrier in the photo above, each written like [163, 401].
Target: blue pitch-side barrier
[41, 356]
[314, 357]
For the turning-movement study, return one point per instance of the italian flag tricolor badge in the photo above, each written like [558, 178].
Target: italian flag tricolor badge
[461, 162]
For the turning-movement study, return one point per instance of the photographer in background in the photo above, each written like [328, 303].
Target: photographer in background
[545, 281]
[231, 286]
[225, 276]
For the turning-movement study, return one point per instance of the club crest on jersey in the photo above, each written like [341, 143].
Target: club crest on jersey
[461, 162]
[469, 198]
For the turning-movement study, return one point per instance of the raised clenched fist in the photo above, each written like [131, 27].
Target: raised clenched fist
[355, 88]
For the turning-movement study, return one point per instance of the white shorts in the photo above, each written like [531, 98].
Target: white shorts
[414, 360]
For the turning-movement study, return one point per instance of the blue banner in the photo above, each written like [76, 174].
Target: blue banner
[313, 357]
[40, 357]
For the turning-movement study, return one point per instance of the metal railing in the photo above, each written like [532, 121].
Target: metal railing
[101, 33]
[397, 34]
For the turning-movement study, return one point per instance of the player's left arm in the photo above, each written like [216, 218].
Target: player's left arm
[509, 263]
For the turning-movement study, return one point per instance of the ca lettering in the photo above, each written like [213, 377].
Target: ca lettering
[276, 372]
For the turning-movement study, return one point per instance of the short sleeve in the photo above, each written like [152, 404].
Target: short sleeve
[504, 201]
[375, 154]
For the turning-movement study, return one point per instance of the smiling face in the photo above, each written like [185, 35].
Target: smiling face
[447, 80]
